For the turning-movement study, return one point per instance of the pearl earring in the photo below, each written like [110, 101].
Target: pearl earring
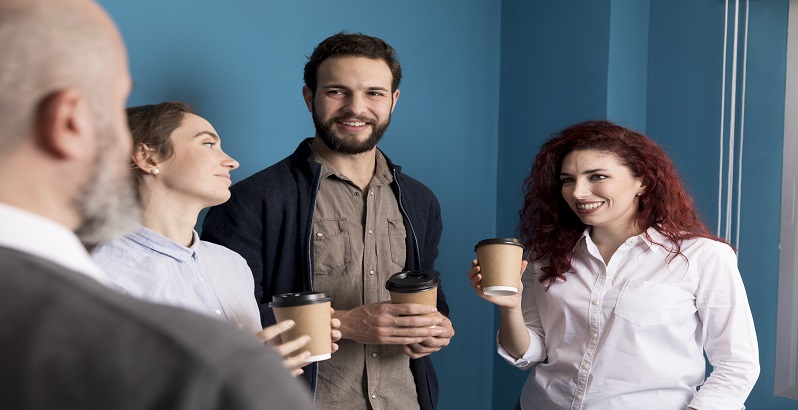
[638, 194]
[156, 172]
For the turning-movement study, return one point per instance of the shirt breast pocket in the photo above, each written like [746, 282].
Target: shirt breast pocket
[331, 246]
[397, 236]
[646, 303]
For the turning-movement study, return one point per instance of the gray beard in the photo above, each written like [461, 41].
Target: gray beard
[107, 204]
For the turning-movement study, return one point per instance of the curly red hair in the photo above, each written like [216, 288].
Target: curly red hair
[550, 229]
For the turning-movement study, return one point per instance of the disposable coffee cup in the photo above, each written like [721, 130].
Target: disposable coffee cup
[310, 312]
[500, 265]
[414, 287]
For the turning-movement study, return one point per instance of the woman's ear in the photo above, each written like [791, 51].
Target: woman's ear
[644, 184]
[144, 158]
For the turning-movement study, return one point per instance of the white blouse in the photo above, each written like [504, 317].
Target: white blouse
[633, 333]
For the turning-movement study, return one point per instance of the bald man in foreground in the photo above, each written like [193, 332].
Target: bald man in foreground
[67, 341]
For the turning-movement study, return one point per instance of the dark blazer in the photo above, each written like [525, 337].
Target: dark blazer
[68, 342]
[269, 221]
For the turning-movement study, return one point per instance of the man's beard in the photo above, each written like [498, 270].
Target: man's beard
[326, 131]
[108, 204]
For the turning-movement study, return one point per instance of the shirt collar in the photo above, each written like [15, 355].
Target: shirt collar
[159, 243]
[656, 238]
[382, 171]
[46, 239]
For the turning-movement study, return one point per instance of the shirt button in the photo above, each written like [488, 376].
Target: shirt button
[371, 272]
[319, 234]
[357, 193]
[594, 302]
[374, 354]
[594, 335]
[217, 311]
[610, 273]
[579, 397]
[371, 193]
[585, 366]
[373, 396]
[370, 232]
[201, 279]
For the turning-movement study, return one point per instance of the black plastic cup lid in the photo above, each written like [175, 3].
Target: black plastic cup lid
[499, 241]
[412, 281]
[298, 299]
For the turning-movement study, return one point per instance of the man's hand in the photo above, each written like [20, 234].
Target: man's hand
[386, 323]
[432, 344]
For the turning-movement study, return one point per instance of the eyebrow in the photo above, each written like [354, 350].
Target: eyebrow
[212, 135]
[375, 88]
[589, 171]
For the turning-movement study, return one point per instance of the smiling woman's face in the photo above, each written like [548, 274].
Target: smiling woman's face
[600, 190]
[198, 170]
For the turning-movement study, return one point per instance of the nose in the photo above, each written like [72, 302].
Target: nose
[229, 162]
[356, 104]
[581, 189]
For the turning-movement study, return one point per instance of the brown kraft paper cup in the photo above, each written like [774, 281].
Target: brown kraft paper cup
[500, 265]
[414, 287]
[311, 313]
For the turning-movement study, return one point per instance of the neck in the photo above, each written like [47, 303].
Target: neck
[169, 217]
[357, 167]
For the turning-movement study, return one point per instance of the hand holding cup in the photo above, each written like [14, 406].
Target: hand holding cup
[508, 301]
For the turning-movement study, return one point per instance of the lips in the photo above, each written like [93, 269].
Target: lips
[353, 124]
[588, 207]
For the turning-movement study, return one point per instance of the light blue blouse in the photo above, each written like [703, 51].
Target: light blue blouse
[206, 278]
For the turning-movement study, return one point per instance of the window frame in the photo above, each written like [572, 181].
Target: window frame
[786, 373]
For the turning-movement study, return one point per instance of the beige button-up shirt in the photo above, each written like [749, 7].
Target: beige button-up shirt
[359, 242]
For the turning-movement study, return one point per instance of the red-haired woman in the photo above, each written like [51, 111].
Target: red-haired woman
[625, 290]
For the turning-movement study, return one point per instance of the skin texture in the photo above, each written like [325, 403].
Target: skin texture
[603, 194]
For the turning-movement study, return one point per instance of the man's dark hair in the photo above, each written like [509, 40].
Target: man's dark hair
[344, 44]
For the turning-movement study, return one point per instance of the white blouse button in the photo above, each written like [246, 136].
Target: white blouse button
[217, 311]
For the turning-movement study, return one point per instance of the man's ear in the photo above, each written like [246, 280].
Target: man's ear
[63, 124]
[395, 97]
[144, 158]
[307, 95]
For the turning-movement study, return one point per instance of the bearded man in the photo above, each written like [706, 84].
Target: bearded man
[338, 216]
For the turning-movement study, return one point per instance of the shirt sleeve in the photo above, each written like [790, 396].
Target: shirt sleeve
[234, 226]
[536, 351]
[727, 331]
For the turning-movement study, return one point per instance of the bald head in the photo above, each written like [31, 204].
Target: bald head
[46, 47]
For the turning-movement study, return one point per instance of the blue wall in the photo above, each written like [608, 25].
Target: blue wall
[485, 83]
[240, 64]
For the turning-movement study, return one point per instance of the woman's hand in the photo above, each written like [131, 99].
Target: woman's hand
[508, 302]
[290, 350]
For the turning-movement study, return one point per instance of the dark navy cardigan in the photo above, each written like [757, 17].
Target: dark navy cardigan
[269, 221]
